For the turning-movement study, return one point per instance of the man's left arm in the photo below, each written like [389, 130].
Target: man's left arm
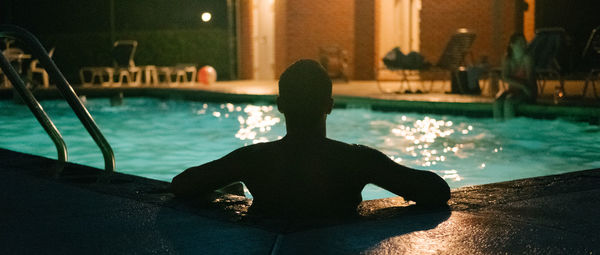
[204, 179]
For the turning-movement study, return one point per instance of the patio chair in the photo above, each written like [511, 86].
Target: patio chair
[168, 75]
[185, 74]
[591, 55]
[123, 53]
[34, 67]
[15, 56]
[549, 49]
[453, 57]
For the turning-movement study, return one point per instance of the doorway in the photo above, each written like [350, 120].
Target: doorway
[399, 26]
[263, 12]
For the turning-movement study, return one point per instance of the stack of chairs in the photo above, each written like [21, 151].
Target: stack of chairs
[124, 69]
[125, 72]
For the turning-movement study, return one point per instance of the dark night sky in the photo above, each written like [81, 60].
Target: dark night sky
[43, 16]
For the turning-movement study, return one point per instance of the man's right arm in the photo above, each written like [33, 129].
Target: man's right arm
[423, 187]
[206, 178]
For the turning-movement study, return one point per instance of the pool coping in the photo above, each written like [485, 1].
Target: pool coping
[471, 106]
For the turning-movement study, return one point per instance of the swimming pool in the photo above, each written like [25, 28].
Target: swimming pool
[159, 138]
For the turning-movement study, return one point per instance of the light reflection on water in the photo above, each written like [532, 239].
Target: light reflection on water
[257, 123]
[158, 139]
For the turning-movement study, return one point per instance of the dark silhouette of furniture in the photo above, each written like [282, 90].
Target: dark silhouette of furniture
[591, 55]
[453, 59]
[549, 50]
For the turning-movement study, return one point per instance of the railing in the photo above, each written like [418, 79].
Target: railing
[38, 51]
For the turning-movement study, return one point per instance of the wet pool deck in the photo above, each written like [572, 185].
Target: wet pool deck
[85, 211]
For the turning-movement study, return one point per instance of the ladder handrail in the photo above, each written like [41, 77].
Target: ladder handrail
[36, 109]
[38, 51]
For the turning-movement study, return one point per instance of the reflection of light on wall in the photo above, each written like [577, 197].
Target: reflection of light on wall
[255, 123]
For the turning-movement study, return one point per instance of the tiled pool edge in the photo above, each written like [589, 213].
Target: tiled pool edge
[470, 109]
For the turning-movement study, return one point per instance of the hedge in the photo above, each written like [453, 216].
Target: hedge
[206, 46]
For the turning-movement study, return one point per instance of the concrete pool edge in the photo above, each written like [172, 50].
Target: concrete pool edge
[477, 107]
[560, 208]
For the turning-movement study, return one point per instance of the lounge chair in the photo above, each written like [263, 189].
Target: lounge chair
[186, 74]
[549, 49]
[453, 57]
[178, 74]
[124, 67]
[591, 55]
[123, 53]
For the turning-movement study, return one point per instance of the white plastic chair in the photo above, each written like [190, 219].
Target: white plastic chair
[34, 68]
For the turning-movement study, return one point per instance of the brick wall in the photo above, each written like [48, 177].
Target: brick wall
[302, 26]
[491, 20]
[308, 25]
[364, 35]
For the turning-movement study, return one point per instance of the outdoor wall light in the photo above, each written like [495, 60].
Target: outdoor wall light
[206, 16]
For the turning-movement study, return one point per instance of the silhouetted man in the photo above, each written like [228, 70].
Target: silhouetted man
[305, 174]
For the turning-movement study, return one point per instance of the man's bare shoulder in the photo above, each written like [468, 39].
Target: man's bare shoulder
[257, 148]
[357, 150]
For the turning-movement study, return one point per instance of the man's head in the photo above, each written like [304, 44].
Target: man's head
[305, 90]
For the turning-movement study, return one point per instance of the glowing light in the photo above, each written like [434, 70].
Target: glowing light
[230, 107]
[206, 16]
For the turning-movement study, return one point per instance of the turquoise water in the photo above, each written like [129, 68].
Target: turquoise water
[160, 138]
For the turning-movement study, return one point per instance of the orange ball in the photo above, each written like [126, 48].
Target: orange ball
[207, 75]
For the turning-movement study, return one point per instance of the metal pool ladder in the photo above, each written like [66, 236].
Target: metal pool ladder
[38, 51]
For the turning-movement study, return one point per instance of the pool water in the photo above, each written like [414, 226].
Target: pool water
[160, 138]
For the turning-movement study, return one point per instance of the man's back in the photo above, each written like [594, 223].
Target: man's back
[303, 177]
[316, 177]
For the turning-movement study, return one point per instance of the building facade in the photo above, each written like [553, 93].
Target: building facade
[275, 33]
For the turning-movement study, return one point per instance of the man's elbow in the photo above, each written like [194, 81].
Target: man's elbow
[438, 195]
[178, 187]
